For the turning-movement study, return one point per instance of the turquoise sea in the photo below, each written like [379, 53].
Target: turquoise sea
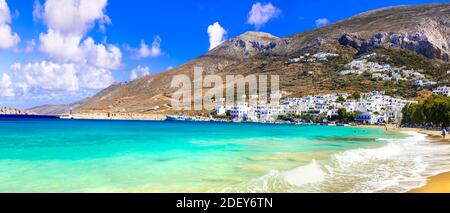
[51, 155]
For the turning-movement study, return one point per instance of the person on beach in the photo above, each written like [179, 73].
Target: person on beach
[444, 133]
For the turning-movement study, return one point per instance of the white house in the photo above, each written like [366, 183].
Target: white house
[442, 91]
[239, 110]
[370, 118]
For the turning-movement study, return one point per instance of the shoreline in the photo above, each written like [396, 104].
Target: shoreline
[434, 135]
[439, 183]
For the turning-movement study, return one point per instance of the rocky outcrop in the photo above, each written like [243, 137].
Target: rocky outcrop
[247, 45]
[13, 111]
[429, 38]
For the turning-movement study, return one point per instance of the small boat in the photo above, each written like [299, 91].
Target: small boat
[66, 116]
[342, 125]
[177, 118]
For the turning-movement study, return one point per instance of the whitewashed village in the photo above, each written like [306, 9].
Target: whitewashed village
[361, 65]
[372, 108]
[369, 108]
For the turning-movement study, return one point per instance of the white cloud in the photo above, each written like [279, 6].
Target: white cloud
[67, 48]
[76, 65]
[154, 51]
[5, 86]
[103, 22]
[139, 72]
[38, 10]
[91, 77]
[8, 38]
[31, 44]
[109, 57]
[322, 22]
[51, 76]
[48, 75]
[260, 14]
[60, 46]
[20, 88]
[75, 62]
[5, 14]
[216, 35]
[15, 67]
[73, 16]
[68, 22]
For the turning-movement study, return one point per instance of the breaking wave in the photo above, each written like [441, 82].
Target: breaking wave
[398, 166]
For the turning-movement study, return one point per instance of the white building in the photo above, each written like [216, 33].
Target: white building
[239, 111]
[220, 110]
[442, 91]
[321, 56]
[370, 118]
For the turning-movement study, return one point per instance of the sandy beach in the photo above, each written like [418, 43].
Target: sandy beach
[436, 184]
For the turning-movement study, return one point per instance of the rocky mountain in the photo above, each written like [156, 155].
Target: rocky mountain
[247, 45]
[53, 109]
[412, 37]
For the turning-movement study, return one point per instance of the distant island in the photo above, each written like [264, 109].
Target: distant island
[14, 111]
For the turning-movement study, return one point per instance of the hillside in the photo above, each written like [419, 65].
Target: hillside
[52, 109]
[413, 38]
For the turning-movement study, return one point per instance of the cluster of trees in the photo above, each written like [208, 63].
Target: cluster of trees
[353, 96]
[226, 116]
[435, 111]
[347, 117]
[340, 100]
[343, 117]
[303, 116]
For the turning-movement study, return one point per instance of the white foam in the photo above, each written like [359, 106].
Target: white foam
[399, 166]
[311, 173]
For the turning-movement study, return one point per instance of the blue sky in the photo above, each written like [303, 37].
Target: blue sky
[108, 40]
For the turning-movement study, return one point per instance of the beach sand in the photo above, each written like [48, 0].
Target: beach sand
[436, 184]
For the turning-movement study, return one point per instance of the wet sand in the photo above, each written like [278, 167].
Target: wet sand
[436, 184]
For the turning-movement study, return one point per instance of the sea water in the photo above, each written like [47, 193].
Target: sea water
[52, 155]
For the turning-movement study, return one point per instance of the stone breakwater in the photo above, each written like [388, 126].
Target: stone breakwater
[115, 116]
